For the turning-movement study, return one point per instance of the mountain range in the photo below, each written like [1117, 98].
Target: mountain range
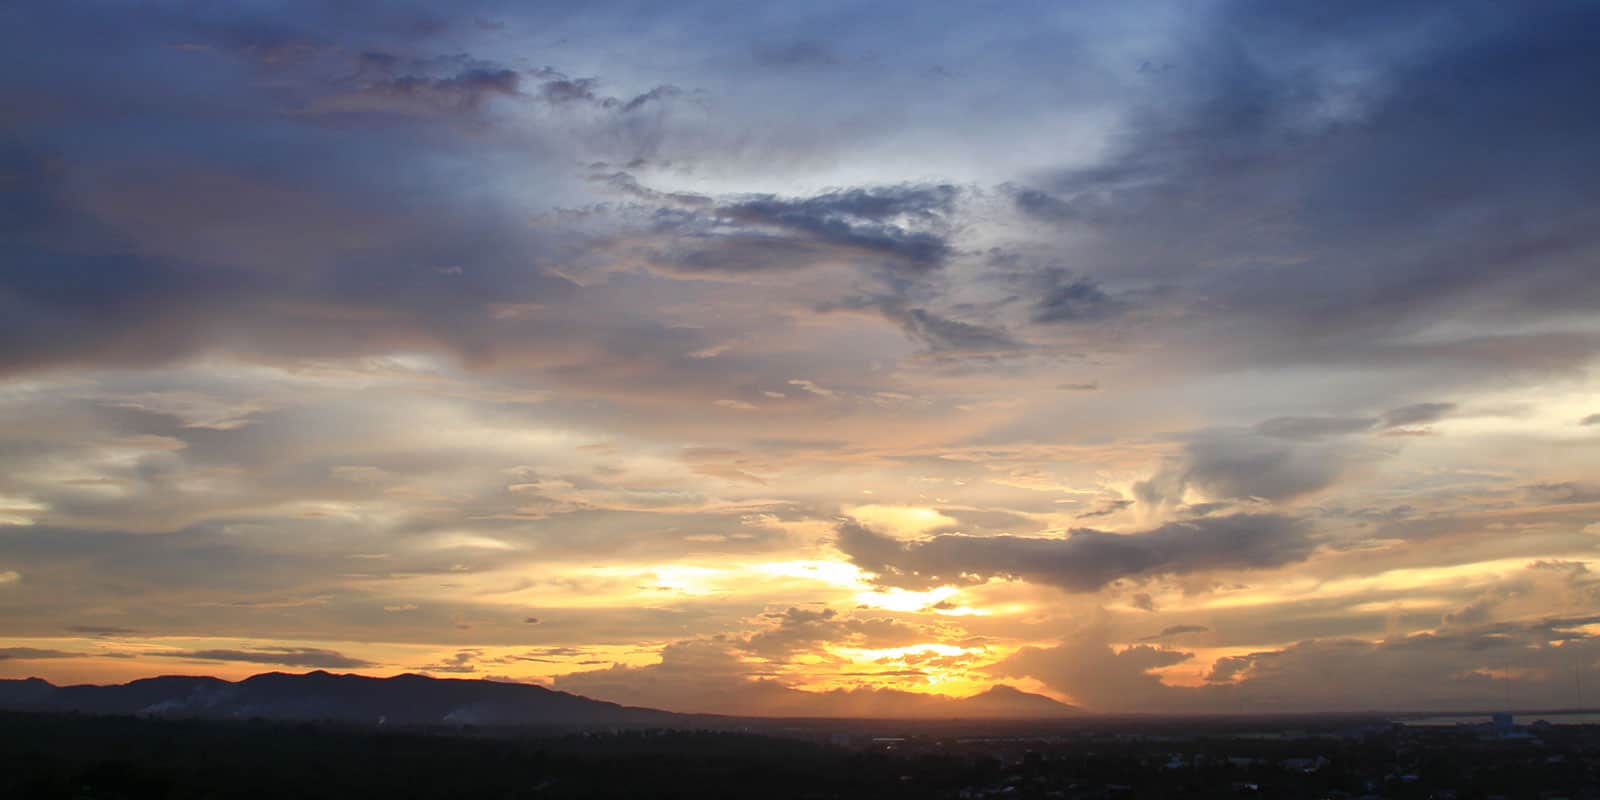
[416, 700]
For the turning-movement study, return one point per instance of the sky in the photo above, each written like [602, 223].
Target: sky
[783, 358]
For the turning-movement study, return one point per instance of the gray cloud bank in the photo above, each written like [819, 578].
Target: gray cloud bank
[1085, 559]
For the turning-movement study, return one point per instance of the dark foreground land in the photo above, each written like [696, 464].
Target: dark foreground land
[71, 756]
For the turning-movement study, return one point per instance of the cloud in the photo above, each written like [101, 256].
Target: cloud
[795, 54]
[1278, 462]
[1297, 214]
[461, 92]
[256, 370]
[884, 204]
[938, 333]
[1313, 428]
[1085, 560]
[1041, 205]
[799, 630]
[628, 185]
[728, 465]
[34, 654]
[1418, 414]
[568, 90]
[1094, 674]
[463, 662]
[555, 652]
[1106, 510]
[1563, 492]
[461, 86]
[711, 675]
[1458, 664]
[1175, 630]
[102, 630]
[897, 228]
[1062, 298]
[1425, 671]
[130, 291]
[941, 334]
[561, 90]
[750, 671]
[288, 656]
[695, 675]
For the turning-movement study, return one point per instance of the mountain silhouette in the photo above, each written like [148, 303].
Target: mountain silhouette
[1000, 702]
[321, 696]
[417, 700]
[1005, 702]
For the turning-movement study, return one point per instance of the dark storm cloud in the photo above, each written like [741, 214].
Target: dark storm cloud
[129, 308]
[129, 269]
[219, 208]
[1086, 559]
[1332, 215]
[1327, 205]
